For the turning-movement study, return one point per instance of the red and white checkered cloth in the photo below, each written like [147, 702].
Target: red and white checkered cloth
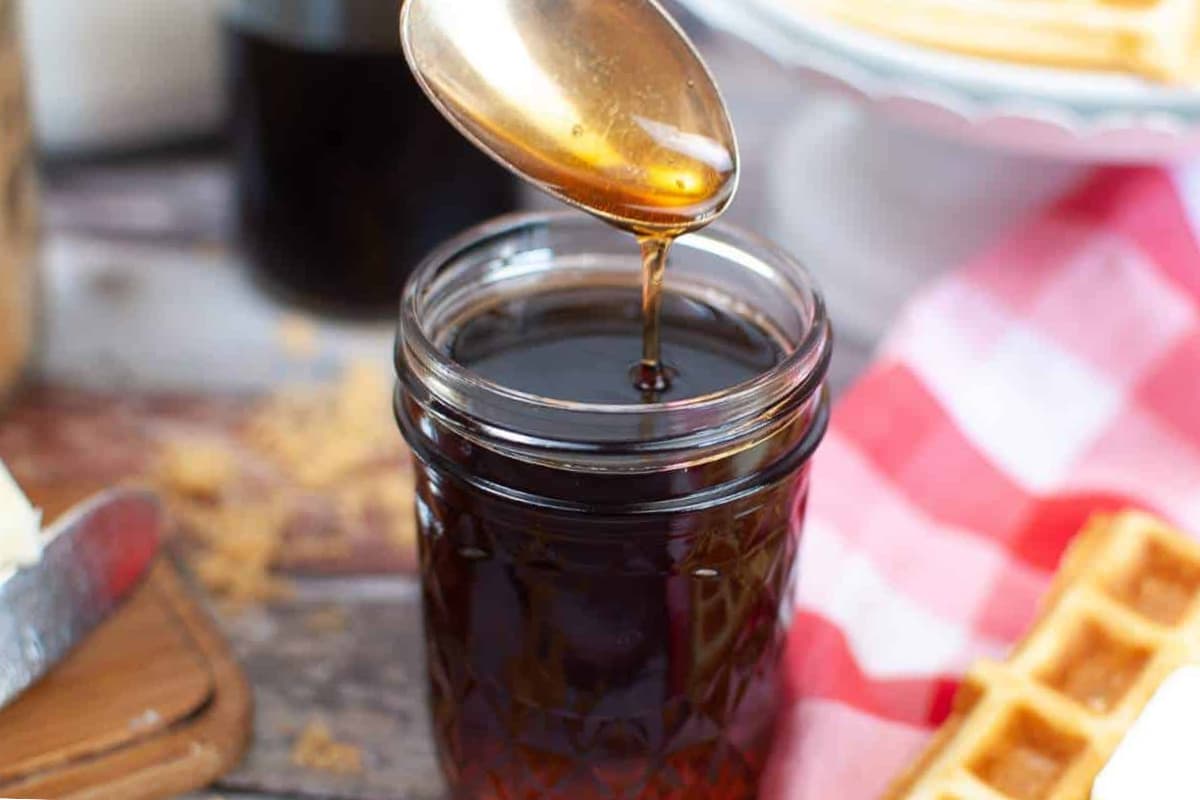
[1056, 376]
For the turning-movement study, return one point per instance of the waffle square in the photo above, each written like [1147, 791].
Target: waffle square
[1153, 38]
[1123, 614]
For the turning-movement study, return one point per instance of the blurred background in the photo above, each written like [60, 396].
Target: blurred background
[267, 155]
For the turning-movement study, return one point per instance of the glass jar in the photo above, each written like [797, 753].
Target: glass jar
[18, 212]
[606, 585]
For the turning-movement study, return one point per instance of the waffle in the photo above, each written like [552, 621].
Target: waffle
[1122, 615]
[1154, 38]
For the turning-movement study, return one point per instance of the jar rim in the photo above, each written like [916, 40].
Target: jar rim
[801, 370]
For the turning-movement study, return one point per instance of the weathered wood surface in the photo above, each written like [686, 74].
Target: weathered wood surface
[366, 680]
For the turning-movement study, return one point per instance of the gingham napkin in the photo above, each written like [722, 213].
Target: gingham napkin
[1056, 376]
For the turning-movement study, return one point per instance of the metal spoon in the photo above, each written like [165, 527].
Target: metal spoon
[603, 103]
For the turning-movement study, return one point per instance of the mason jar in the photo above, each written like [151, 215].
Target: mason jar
[606, 576]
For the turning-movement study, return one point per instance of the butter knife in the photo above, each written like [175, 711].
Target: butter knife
[94, 557]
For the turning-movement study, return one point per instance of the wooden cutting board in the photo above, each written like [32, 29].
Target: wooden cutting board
[151, 705]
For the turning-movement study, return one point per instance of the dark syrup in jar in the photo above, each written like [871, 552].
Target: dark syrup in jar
[580, 647]
[581, 344]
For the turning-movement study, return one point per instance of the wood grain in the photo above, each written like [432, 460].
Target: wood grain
[149, 707]
[138, 675]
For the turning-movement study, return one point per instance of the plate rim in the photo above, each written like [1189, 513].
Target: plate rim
[886, 68]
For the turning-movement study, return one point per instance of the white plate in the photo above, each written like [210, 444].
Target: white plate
[1055, 112]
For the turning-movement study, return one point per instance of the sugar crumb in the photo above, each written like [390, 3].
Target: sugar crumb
[297, 336]
[327, 620]
[197, 469]
[315, 748]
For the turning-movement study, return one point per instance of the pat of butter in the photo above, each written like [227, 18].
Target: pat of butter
[1159, 758]
[20, 526]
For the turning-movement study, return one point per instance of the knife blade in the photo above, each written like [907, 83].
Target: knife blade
[95, 556]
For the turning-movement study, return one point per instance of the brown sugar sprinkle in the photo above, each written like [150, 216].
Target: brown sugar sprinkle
[241, 543]
[315, 748]
[197, 469]
[297, 336]
[310, 468]
[321, 437]
[327, 620]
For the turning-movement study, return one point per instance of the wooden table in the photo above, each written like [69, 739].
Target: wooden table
[875, 212]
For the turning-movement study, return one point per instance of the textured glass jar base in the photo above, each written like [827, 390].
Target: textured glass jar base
[589, 657]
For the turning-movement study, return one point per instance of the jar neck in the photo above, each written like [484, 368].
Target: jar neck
[682, 480]
[529, 253]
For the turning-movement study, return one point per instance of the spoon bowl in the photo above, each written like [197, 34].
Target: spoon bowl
[604, 104]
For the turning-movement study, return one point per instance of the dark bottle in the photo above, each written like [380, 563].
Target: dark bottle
[346, 175]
